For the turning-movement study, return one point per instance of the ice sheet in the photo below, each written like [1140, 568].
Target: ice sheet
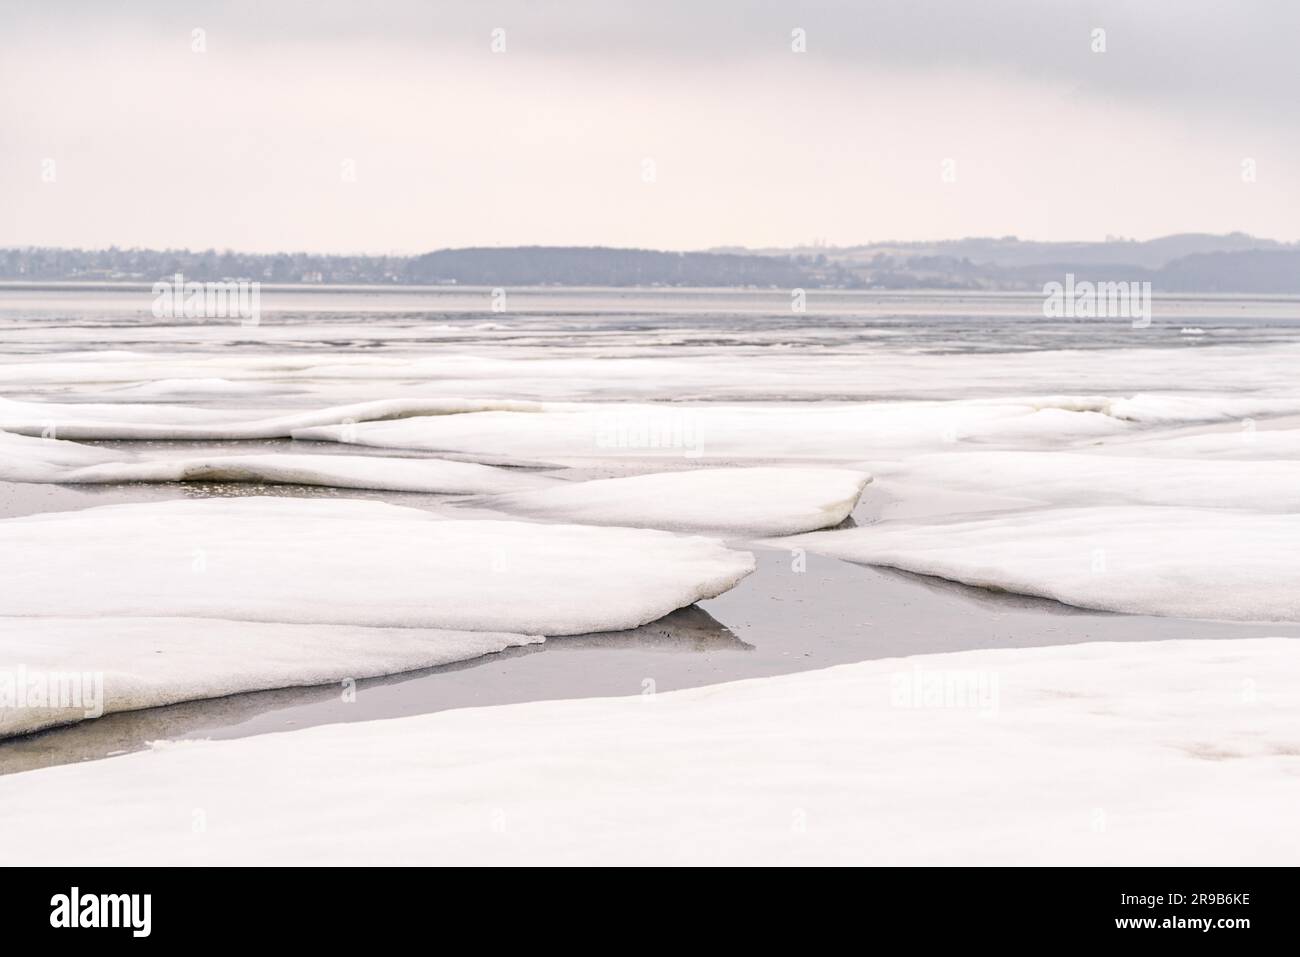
[729, 432]
[1184, 562]
[146, 662]
[1101, 754]
[1086, 479]
[343, 562]
[635, 364]
[764, 501]
[98, 421]
[30, 459]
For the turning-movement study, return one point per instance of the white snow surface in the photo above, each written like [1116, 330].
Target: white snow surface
[345, 562]
[1151, 753]
[102, 421]
[759, 500]
[1183, 562]
[147, 662]
[844, 432]
[660, 369]
[1247, 442]
[568, 430]
[31, 459]
[1084, 478]
[732, 432]
[197, 388]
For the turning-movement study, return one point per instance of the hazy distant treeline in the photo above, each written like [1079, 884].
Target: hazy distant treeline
[153, 264]
[1233, 263]
[537, 265]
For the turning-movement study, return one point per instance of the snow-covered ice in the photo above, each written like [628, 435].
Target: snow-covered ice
[845, 432]
[1171, 753]
[147, 662]
[731, 432]
[562, 431]
[626, 364]
[197, 388]
[1246, 442]
[329, 561]
[761, 501]
[1182, 562]
[191, 599]
[100, 421]
[29, 459]
[360, 472]
[1084, 479]
[1109, 471]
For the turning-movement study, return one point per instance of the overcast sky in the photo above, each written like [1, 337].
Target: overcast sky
[392, 126]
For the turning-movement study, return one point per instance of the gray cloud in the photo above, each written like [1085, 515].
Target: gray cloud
[1193, 53]
[753, 145]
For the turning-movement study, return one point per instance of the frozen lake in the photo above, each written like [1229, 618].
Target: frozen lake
[859, 380]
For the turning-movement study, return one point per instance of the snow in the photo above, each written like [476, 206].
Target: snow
[343, 562]
[1113, 496]
[559, 431]
[338, 471]
[629, 364]
[22, 456]
[1149, 753]
[564, 433]
[1178, 409]
[147, 662]
[1247, 442]
[1085, 479]
[29, 459]
[198, 388]
[766, 501]
[100, 421]
[721, 432]
[1181, 562]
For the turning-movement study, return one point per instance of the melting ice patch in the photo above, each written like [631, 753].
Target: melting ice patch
[199, 388]
[29, 459]
[167, 602]
[734, 432]
[1096, 754]
[770, 501]
[508, 427]
[1247, 441]
[1183, 562]
[564, 433]
[47, 665]
[533, 370]
[1084, 479]
[344, 562]
[101, 421]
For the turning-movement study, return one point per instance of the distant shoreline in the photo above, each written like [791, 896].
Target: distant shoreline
[955, 295]
[1192, 263]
